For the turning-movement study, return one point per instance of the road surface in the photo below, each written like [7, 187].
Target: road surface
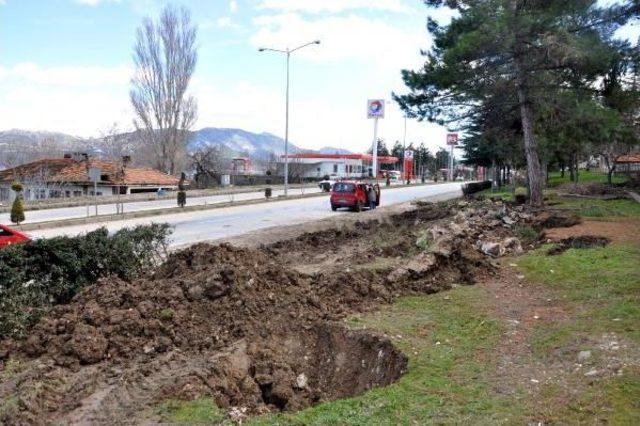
[193, 227]
[34, 216]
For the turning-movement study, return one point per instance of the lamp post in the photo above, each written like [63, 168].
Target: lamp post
[287, 52]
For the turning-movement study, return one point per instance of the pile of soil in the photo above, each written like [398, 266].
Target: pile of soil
[243, 325]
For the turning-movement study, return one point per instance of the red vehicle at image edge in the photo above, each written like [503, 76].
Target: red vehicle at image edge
[10, 236]
[352, 194]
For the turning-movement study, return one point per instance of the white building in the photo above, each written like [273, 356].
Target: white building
[316, 166]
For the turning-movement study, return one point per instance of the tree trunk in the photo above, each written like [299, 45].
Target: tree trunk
[572, 174]
[610, 169]
[534, 172]
[562, 171]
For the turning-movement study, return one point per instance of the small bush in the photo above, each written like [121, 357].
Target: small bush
[40, 274]
[17, 210]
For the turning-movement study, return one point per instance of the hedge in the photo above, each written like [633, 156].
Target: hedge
[42, 273]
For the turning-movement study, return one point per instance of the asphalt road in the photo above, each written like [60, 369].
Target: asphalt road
[35, 216]
[192, 227]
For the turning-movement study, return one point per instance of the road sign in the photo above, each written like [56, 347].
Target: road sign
[408, 154]
[375, 108]
[452, 139]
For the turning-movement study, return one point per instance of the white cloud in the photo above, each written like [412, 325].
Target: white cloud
[233, 6]
[334, 6]
[343, 38]
[78, 100]
[95, 2]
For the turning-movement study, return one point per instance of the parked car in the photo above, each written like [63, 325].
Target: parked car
[351, 194]
[10, 236]
[326, 185]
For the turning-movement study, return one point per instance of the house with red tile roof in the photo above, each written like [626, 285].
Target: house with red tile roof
[628, 163]
[71, 176]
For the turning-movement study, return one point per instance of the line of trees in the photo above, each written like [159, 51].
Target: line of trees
[532, 84]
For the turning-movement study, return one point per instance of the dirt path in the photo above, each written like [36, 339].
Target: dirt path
[520, 305]
[525, 307]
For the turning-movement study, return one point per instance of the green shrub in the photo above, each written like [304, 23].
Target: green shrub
[42, 273]
[17, 209]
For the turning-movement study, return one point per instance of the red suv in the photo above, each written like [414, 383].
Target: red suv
[10, 236]
[352, 194]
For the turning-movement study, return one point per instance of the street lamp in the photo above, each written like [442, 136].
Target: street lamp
[287, 52]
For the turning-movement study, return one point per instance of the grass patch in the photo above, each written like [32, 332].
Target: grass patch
[199, 411]
[504, 192]
[583, 177]
[448, 338]
[601, 288]
[8, 408]
[601, 208]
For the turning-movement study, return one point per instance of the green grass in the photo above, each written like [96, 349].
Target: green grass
[199, 411]
[448, 338]
[504, 192]
[600, 289]
[601, 208]
[601, 286]
[583, 177]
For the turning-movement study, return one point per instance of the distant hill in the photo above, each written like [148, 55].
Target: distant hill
[30, 138]
[240, 142]
[259, 146]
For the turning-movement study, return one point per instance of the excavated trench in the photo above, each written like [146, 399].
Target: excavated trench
[292, 372]
[244, 326]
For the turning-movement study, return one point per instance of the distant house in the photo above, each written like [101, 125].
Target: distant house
[70, 177]
[628, 163]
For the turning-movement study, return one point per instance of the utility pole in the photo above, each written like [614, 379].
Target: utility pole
[287, 52]
[404, 149]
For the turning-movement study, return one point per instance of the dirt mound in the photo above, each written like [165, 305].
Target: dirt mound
[244, 327]
[579, 242]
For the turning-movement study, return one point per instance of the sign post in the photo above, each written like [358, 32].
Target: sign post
[94, 175]
[375, 110]
[452, 141]
[407, 166]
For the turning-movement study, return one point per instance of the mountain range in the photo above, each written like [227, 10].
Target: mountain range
[234, 141]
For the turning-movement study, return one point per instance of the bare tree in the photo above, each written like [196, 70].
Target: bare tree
[208, 164]
[116, 144]
[165, 57]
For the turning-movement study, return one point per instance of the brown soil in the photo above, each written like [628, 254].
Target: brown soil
[248, 326]
[620, 231]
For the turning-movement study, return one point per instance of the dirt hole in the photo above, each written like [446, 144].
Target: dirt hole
[580, 242]
[292, 372]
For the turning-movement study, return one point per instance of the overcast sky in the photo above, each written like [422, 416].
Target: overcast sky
[65, 65]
